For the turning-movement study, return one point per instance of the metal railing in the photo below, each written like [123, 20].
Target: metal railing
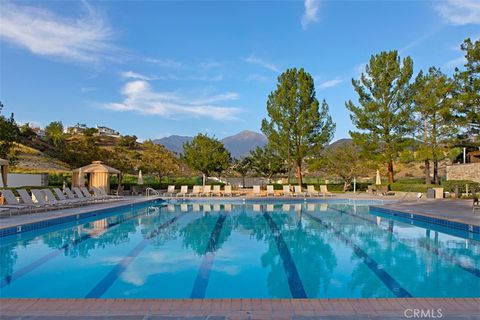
[150, 191]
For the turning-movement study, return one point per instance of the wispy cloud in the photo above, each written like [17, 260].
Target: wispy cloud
[330, 83]
[312, 10]
[453, 63]
[255, 60]
[460, 12]
[42, 32]
[135, 75]
[140, 97]
[258, 77]
[210, 64]
[167, 63]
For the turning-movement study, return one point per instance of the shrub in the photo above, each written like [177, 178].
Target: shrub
[410, 187]
[450, 185]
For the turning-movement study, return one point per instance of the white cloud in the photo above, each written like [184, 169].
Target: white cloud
[135, 75]
[210, 65]
[262, 63]
[42, 32]
[167, 63]
[330, 83]
[310, 15]
[460, 12]
[141, 98]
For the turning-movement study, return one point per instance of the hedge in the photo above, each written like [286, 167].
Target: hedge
[449, 185]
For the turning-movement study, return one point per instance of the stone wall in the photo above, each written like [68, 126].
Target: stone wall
[468, 171]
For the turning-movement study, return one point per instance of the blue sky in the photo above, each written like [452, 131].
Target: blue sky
[156, 68]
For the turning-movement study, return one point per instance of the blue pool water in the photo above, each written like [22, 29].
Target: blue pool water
[230, 249]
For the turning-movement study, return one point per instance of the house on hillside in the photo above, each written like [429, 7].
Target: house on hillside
[105, 131]
[76, 129]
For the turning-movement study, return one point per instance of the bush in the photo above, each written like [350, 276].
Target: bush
[449, 185]
[411, 187]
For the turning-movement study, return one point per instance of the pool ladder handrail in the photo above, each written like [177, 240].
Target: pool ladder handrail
[150, 191]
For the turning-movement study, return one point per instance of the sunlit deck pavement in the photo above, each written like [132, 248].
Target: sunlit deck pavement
[307, 309]
[459, 210]
[26, 218]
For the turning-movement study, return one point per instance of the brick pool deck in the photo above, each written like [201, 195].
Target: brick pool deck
[281, 309]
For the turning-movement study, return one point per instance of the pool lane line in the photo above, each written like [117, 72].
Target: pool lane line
[381, 274]
[294, 282]
[203, 276]
[445, 256]
[103, 285]
[37, 263]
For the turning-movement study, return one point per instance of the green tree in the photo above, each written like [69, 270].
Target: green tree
[157, 160]
[384, 113]
[8, 135]
[243, 167]
[266, 162]
[437, 122]
[207, 155]
[128, 141]
[344, 161]
[54, 133]
[468, 80]
[122, 159]
[297, 126]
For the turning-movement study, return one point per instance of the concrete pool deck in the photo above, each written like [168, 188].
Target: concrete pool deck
[281, 309]
[455, 210]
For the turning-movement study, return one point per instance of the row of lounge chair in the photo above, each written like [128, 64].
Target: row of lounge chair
[46, 199]
[207, 191]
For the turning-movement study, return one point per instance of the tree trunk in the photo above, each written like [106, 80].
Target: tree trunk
[346, 185]
[243, 181]
[204, 178]
[427, 172]
[390, 173]
[299, 173]
[435, 169]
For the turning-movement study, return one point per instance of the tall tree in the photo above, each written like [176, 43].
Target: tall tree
[207, 155]
[344, 161]
[384, 113]
[437, 120]
[54, 133]
[157, 160]
[9, 133]
[243, 167]
[266, 162]
[297, 126]
[469, 86]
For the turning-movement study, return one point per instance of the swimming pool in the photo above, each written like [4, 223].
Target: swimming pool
[235, 249]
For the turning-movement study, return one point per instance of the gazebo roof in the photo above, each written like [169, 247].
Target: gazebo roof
[97, 166]
[3, 162]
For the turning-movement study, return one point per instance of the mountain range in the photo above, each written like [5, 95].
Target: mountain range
[239, 145]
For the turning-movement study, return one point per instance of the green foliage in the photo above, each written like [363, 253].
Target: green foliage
[343, 161]
[157, 160]
[266, 162]
[384, 113]
[297, 126]
[54, 133]
[128, 141]
[437, 121]
[449, 185]
[468, 80]
[8, 135]
[406, 156]
[411, 187]
[207, 155]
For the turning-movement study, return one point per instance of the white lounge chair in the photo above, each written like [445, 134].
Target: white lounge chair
[299, 192]
[195, 191]
[51, 199]
[41, 199]
[170, 191]
[312, 192]
[286, 191]
[183, 191]
[12, 203]
[257, 191]
[207, 191]
[27, 199]
[227, 191]
[324, 191]
[216, 190]
[270, 190]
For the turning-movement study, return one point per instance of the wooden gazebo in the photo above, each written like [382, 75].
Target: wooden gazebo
[4, 172]
[97, 175]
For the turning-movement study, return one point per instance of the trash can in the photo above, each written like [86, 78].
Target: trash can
[438, 193]
[430, 194]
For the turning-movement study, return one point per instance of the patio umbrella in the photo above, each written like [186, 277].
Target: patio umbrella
[140, 178]
[378, 181]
